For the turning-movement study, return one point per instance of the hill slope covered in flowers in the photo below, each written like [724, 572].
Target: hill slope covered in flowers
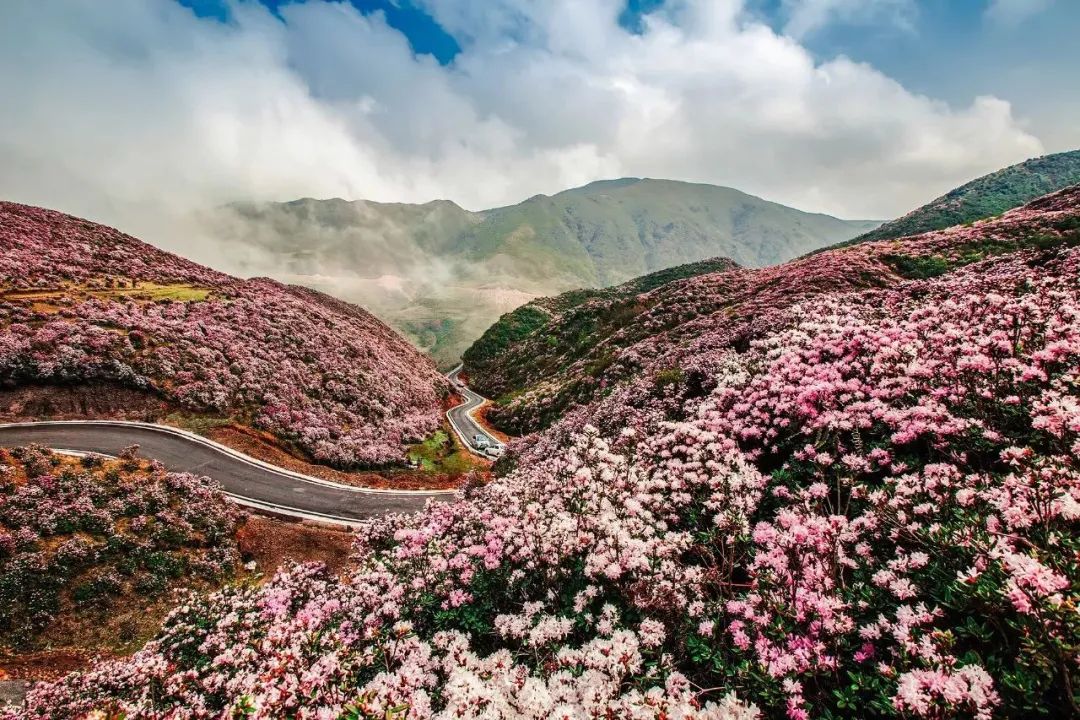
[849, 491]
[83, 303]
[571, 322]
[985, 196]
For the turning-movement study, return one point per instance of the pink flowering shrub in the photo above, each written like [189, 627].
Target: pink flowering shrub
[319, 373]
[91, 531]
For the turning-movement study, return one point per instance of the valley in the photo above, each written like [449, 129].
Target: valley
[441, 274]
[539, 360]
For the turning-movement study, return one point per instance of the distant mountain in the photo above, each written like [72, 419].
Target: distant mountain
[443, 274]
[986, 196]
[612, 230]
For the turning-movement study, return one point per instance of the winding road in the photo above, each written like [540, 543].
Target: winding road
[462, 420]
[250, 482]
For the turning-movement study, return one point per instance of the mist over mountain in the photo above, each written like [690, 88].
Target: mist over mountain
[442, 274]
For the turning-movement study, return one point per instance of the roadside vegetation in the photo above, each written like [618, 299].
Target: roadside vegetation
[443, 453]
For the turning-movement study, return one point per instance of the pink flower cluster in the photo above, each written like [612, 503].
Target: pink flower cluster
[321, 373]
[88, 531]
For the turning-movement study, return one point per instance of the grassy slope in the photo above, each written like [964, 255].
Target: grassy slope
[986, 196]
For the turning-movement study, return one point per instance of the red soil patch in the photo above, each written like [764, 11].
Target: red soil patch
[47, 664]
[102, 400]
[481, 417]
[270, 542]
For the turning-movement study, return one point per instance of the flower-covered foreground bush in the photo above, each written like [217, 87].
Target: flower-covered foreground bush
[80, 302]
[869, 509]
[85, 534]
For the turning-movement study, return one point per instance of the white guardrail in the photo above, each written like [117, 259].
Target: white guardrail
[236, 454]
[242, 500]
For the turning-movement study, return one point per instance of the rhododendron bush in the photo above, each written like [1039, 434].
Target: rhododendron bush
[85, 534]
[868, 508]
[318, 372]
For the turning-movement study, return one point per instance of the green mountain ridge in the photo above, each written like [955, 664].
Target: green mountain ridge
[575, 322]
[985, 196]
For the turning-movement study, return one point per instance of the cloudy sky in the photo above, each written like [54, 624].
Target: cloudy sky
[130, 111]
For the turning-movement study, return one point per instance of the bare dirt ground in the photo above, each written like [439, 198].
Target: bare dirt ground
[77, 402]
[271, 542]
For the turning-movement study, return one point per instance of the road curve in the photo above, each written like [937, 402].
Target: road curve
[461, 419]
[248, 481]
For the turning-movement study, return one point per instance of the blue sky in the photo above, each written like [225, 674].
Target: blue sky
[424, 33]
[136, 109]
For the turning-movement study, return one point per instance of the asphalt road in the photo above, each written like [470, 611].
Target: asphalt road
[461, 418]
[258, 485]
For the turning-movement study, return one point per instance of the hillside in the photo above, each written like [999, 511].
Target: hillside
[572, 322]
[986, 196]
[570, 352]
[612, 230]
[442, 274]
[83, 305]
[842, 487]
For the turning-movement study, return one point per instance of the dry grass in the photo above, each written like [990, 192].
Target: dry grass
[44, 300]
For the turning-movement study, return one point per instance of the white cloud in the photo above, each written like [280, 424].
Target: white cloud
[807, 16]
[133, 111]
[1014, 12]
